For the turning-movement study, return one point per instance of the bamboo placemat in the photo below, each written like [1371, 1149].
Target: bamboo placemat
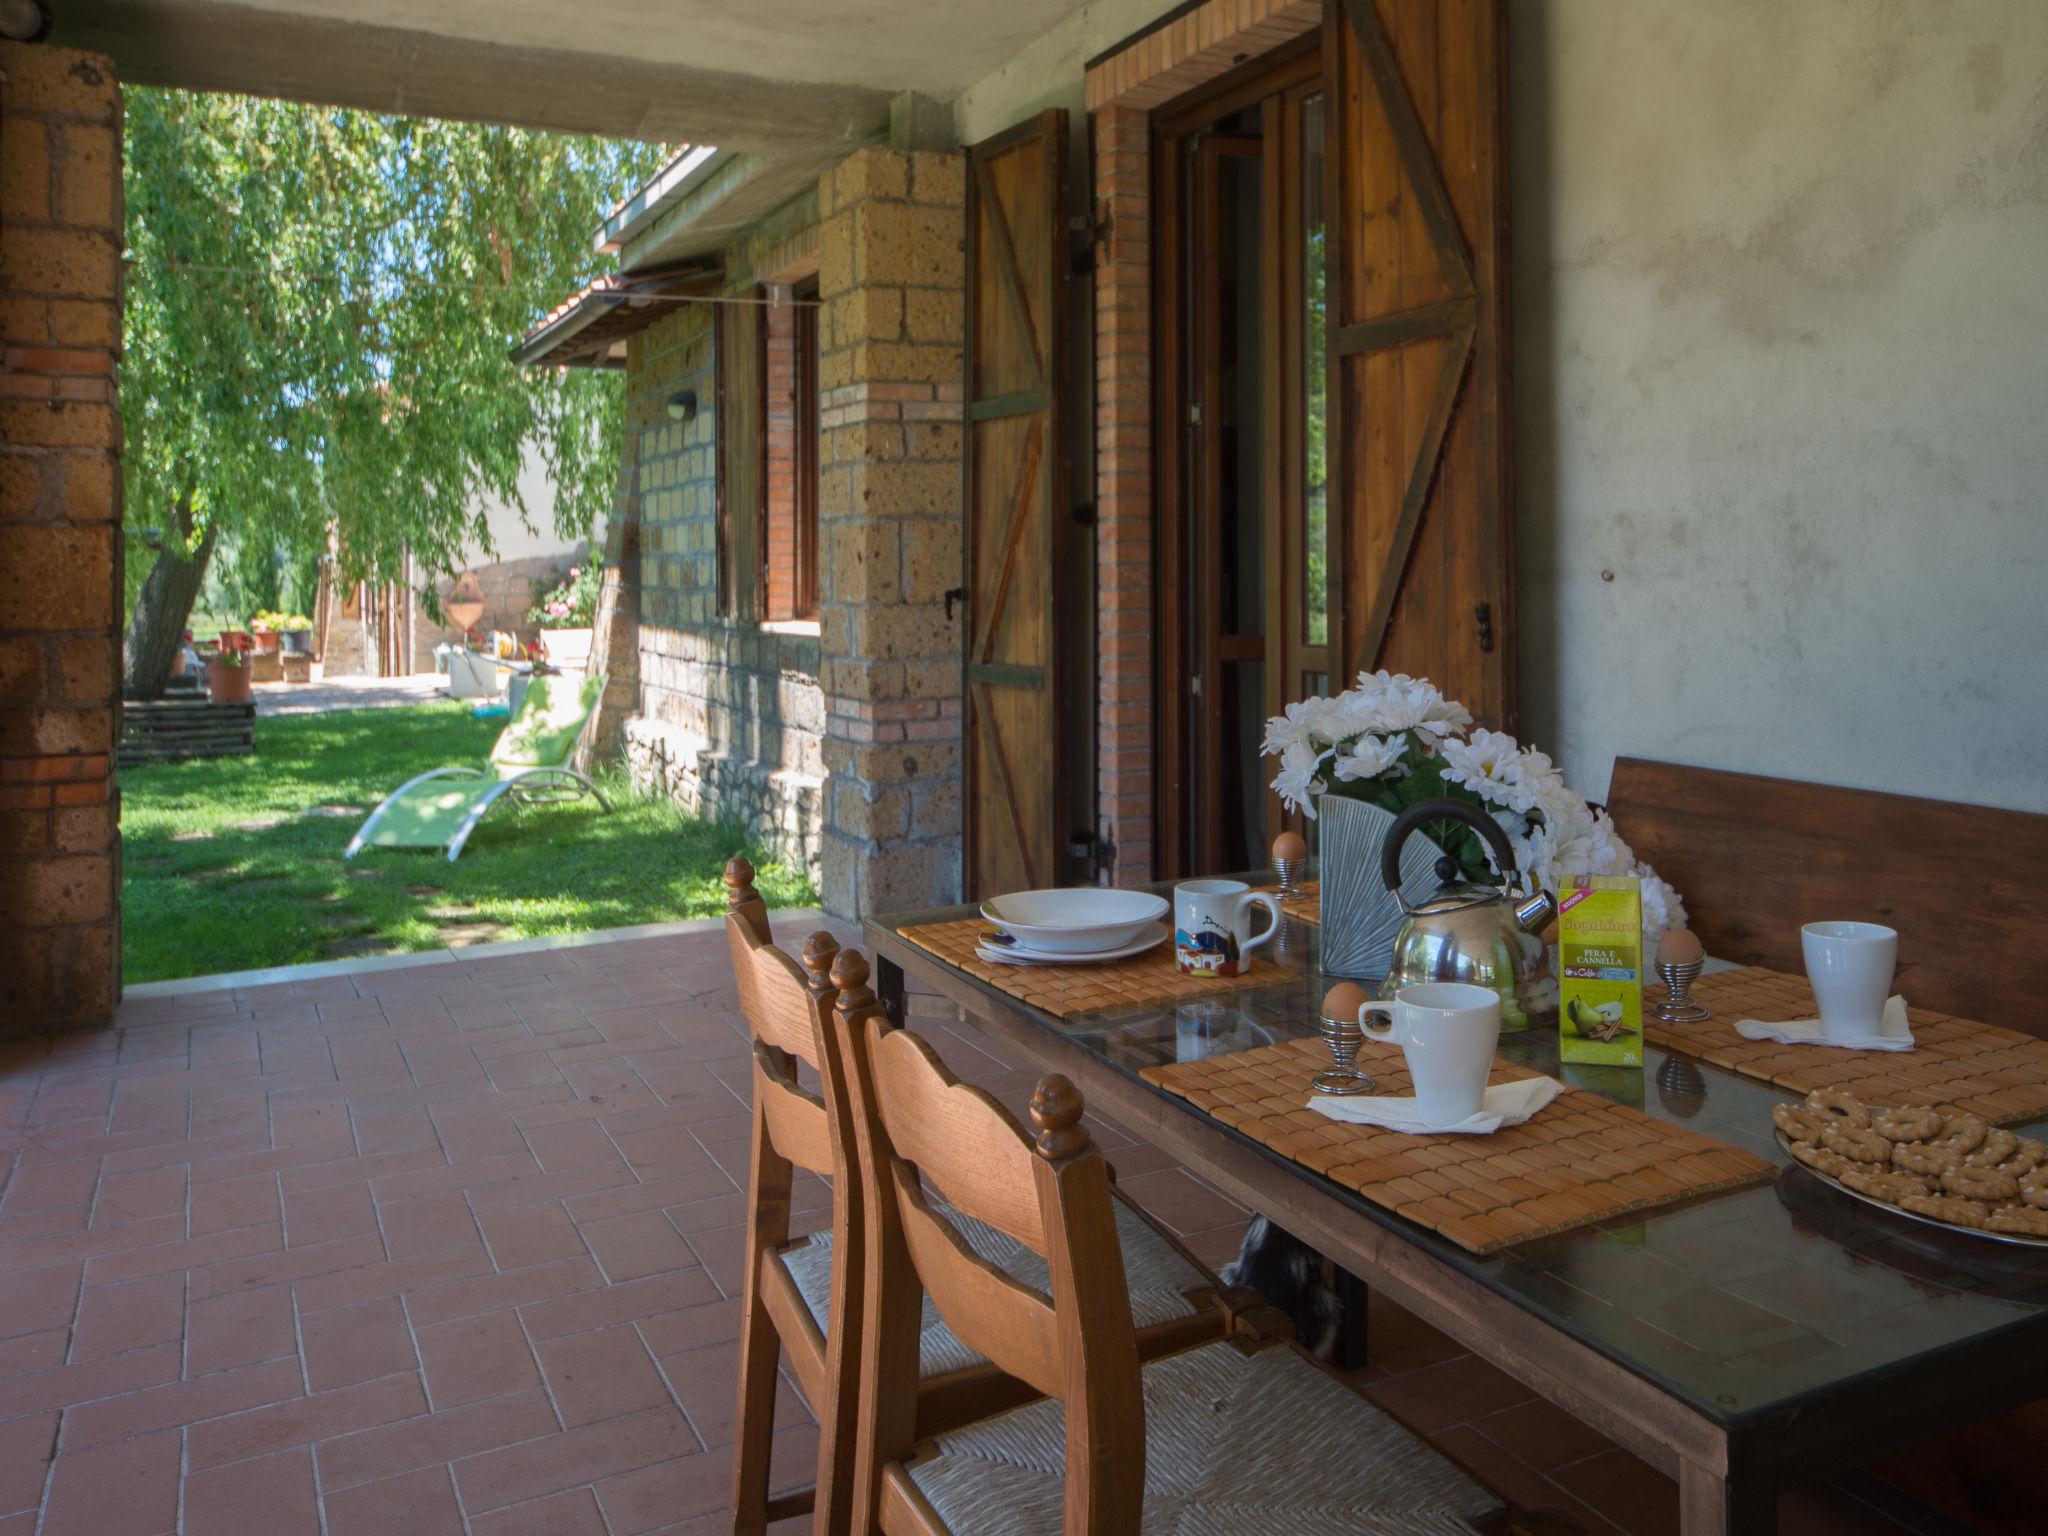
[1581, 1159]
[1153, 977]
[2000, 1074]
[1306, 904]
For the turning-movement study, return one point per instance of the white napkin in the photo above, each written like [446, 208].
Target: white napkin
[1504, 1104]
[1893, 1032]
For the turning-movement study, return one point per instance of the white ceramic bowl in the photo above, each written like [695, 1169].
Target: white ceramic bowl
[1076, 921]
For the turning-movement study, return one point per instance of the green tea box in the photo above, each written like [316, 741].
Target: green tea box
[1600, 955]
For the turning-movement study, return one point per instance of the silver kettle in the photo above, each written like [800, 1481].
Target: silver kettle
[1469, 931]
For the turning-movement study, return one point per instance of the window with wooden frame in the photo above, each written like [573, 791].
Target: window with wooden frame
[739, 364]
[789, 413]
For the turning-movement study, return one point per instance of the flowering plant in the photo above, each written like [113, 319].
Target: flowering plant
[571, 605]
[280, 622]
[1393, 740]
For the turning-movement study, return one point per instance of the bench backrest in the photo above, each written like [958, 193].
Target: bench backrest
[1756, 857]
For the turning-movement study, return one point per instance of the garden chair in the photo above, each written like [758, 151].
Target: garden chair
[530, 763]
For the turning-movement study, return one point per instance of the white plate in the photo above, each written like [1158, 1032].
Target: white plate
[1018, 954]
[1088, 919]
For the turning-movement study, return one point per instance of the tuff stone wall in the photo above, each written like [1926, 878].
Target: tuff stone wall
[729, 719]
[891, 370]
[508, 588]
[60, 539]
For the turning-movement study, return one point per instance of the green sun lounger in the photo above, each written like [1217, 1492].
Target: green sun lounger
[530, 763]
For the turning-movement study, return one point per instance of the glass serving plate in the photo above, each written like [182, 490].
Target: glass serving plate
[1836, 1184]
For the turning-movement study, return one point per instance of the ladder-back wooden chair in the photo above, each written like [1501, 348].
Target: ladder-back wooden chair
[796, 1289]
[1245, 1433]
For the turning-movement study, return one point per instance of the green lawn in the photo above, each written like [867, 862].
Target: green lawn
[235, 862]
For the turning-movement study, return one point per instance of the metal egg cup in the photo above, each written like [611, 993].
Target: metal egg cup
[1343, 1037]
[1293, 875]
[1678, 1006]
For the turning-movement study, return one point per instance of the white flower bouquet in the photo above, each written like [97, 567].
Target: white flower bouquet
[1393, 740]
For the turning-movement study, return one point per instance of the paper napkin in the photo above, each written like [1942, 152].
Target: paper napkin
[1504, 1104]
[1893, 1032]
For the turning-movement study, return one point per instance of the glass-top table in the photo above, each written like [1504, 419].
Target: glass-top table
[1743, 1341]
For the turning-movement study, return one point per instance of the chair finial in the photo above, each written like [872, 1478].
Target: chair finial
[1056, 1108]
[739, 883]
[819, 951]
[850, 976]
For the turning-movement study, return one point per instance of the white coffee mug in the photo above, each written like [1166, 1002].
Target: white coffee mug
[1850, 966]
[1448, 1031]
[1212, 926]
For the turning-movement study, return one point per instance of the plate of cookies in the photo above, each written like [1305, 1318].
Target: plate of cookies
[1936, 1164]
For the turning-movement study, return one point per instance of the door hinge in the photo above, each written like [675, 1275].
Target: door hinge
[1194, 415]
[1094, 856]
[957, 595]
[1195, 684]
[1484, 614]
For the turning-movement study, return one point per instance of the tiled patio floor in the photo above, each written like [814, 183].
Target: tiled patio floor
[453, 1247]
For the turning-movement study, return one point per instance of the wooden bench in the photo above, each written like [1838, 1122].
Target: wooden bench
[1967, 888]
[1965, 885]
[169, 729]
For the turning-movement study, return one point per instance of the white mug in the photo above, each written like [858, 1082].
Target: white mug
[1850, 966]
[1448, 1031]
[1212, 926]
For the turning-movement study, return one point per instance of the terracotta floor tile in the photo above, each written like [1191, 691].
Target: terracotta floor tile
[476, 1357]
[706, 1382]
[634, 1247]
[239, 1328]
[39, 1299]
[575, 1457]
[304, 1421]
[1439, 1396]
[490, 1292]
[1620, 1487]
[428, 1224]
[139, 1196]
[328, 1215]
[603, 1374]
[468, 1429]
[1514, 1479]
[30, 1352]
[270, 1494]
[530, 1234]
[402, 1277]
[130, 1371]
[130, 1486]
[1181, 1202]
[346, 1345]
[1541, 1434]
[574, 1513]
[25, 1449]
[128, 1315]
[691, 1328]
[571, 1144]
[188, 1253]
[183, 1402]
[419, 1503]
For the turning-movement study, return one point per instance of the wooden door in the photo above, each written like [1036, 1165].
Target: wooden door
[1418, 358]
[1016, 498]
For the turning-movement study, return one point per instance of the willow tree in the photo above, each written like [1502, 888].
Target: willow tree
[318, 308]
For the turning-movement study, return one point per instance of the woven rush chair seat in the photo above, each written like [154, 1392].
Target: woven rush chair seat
[1160, 1279]
[1258, 1442]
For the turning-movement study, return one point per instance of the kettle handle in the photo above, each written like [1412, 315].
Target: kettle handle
[1412, 820]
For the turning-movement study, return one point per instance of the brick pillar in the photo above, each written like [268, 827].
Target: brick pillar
[60, 546]
[1123, 492]
[891, 366]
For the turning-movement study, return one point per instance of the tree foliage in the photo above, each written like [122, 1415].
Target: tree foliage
[318, 308]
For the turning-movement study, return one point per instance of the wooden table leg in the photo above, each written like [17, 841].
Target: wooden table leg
[1353, 1322]
[1712, 1505]
[889, 989]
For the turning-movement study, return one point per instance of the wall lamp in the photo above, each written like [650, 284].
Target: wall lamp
[24, 21]
[682, 405]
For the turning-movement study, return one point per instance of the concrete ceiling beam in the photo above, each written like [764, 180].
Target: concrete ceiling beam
[211, 46]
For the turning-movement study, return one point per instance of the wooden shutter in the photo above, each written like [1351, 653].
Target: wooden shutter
[1418, 382]
[1016, 504]
[742, 577]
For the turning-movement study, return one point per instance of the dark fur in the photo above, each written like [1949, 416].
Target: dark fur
[1293, 1277]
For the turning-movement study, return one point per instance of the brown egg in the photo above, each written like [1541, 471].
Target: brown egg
[1344, 1000]
[1290, 845]
[1680, 946]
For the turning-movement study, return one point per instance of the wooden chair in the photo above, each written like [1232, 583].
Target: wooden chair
[798, 1289]
[1245, 1433]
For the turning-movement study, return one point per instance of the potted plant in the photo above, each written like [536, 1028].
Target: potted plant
[564, 614]
[227, 670]
[1368, 754]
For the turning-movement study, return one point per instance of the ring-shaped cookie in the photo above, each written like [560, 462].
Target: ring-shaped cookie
[1963, 1134]
[1889, 1185]
[1998, 1145]
[1912, 1124]
[1820, 1158]
[1922, 1157]
[1986, 1184]
[1798, 1122]
[2021, 1220]
[2026, 1157]
[1949, 1208]
[1857, 1143]
[1839, 1103]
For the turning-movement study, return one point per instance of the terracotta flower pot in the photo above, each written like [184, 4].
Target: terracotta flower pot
[226, 684]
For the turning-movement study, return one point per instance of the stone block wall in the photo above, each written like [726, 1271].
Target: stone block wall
[508, 587]
[891, 276]
[60, 539]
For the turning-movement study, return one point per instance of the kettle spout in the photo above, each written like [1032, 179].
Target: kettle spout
[1535, 914]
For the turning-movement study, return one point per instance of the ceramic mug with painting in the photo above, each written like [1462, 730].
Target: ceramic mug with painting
[1212, 926]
